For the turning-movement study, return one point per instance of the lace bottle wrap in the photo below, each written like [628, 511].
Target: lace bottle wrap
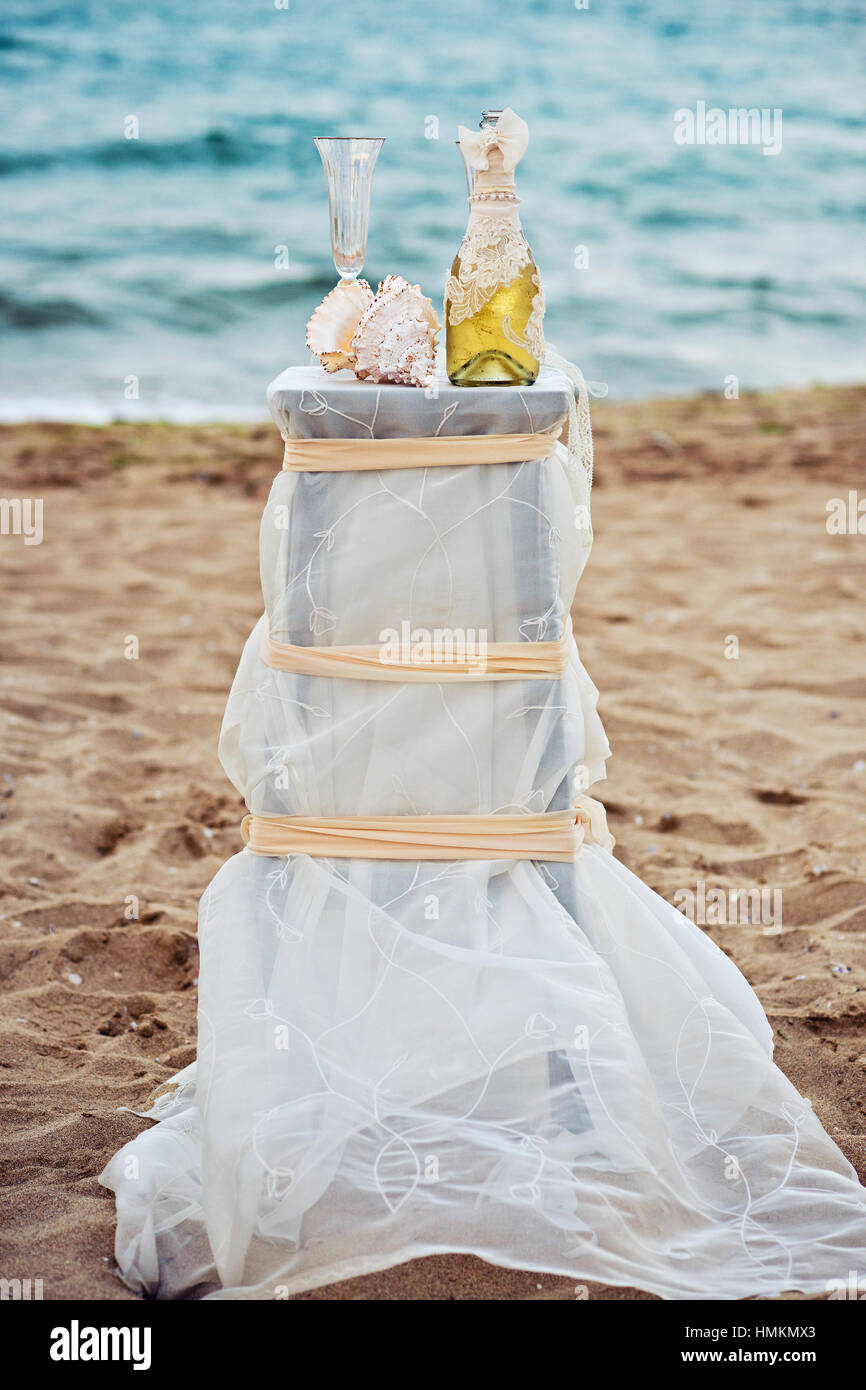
[533, 336]
[494, 250]
[579, 436]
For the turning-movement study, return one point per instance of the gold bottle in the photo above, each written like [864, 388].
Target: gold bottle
[494, 303]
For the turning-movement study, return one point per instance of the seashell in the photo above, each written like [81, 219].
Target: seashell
[333, 324]
[396, 338]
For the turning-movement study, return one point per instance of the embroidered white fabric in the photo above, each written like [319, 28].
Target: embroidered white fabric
[545, 1065]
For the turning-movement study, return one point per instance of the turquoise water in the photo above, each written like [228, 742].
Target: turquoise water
[155, 258]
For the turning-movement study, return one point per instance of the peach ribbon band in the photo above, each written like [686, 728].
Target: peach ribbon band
[436, 451]
[496, 661]
[554, 835]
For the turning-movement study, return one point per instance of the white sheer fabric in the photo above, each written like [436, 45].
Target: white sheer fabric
[543, 1064]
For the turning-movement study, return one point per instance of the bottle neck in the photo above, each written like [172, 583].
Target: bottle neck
[504, 213]
[493, 194]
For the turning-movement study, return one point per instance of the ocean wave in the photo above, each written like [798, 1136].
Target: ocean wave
[216, 148]
[36, 314]
[90, 410]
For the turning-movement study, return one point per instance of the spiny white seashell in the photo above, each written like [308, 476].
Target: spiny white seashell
[405, 354]
[333, 324]
[396, 338]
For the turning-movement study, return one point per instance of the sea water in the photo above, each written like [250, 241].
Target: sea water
[164, 230]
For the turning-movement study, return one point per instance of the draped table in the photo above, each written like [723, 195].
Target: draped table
[534, 1060]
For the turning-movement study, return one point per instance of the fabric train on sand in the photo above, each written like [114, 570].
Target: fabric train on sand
[543, 1064]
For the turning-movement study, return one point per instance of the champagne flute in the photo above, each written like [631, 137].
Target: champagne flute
[349, 163]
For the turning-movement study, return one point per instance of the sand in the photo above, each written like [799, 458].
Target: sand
[741, 771]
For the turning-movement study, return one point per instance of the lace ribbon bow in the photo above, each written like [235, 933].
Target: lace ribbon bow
[510, 136]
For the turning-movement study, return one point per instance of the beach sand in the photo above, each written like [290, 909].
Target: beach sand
[741, 771]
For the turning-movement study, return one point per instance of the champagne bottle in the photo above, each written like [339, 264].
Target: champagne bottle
[494, 303]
